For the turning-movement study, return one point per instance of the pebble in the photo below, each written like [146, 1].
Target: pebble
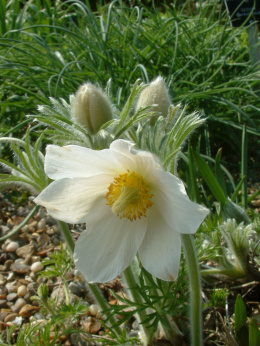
[11, 286]
[36, 267]
[77, 288]
[28, 310]
[92, 327]
[5, 229]
[11, 296]
[94, 309]
[43, 239]
[10, 276]
[41, 224]
[29, 249]
[32, 226]
[10, 317]
[20, 268]
[32, 287]
[22, 291]
[20, 302]
[2, 279]
[3, 315]
[12, 246]
[7, 264]
[3, 304]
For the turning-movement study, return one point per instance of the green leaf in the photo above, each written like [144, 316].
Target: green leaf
[240, 317]
[209, 178]
[254, 334]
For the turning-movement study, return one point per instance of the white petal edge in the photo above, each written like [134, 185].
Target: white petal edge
[179, 212]
[70, 200]
[108, 246]
[73, 161]
[160, 250]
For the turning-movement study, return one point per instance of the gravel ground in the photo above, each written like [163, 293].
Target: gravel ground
[21, 259]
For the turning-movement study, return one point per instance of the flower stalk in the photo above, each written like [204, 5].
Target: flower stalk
[131, 281]
[195, 289]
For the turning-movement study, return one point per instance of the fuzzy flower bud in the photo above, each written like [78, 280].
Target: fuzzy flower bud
[91, 108]
[156, 93]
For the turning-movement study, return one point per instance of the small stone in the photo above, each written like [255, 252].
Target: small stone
[2, 279]
[10, 276]
[36, 259]
[20, 302]
[3, 315]
[3, 303]
[22, 291]
[32, 287]
[28, 259]
[20, 268]
[36, 267]
[3, 326]
[41, 224]
[55, 241]
[32, 226]
[25, 229]
[28, 310]
[38, 316]
[92, 327]
[11, 296]
[77, 288]
[11, 286]
[29, 249]
[10, 317]
[94, 309]
[12, 246]
[5, 229]
[7, 264]
[33, 276]
[43, 239]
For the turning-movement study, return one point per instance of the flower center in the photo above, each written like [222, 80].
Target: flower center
[129, 196]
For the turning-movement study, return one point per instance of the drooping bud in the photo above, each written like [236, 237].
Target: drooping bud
[156, 94]
[91, 108]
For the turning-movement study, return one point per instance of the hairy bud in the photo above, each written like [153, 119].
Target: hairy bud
[91, 108]
[156, 94]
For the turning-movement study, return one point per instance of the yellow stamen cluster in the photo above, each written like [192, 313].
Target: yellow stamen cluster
[129, 196]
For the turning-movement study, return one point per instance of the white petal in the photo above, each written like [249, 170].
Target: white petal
[141, 162]
[73, 161]
[179, 212]
[108, 246]
[69, 200]
[160, 250]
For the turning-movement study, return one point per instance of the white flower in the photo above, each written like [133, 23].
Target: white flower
[129, 204]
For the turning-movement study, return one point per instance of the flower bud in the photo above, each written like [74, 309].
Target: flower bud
[156, 94]
[91, 108]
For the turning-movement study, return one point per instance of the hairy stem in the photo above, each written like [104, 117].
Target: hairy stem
[195, 289]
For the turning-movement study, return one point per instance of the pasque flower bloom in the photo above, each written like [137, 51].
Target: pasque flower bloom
[129, 204]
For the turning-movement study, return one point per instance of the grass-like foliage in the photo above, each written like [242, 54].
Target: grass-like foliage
[210, 139]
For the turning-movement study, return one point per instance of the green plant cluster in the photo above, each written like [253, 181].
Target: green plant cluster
[49, 48]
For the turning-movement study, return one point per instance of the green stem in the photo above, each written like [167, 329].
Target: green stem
[67, 235]
[195, 289]
[93, 288]
[244, 152]
[21, 225]
[137, 298]
[66, 290]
